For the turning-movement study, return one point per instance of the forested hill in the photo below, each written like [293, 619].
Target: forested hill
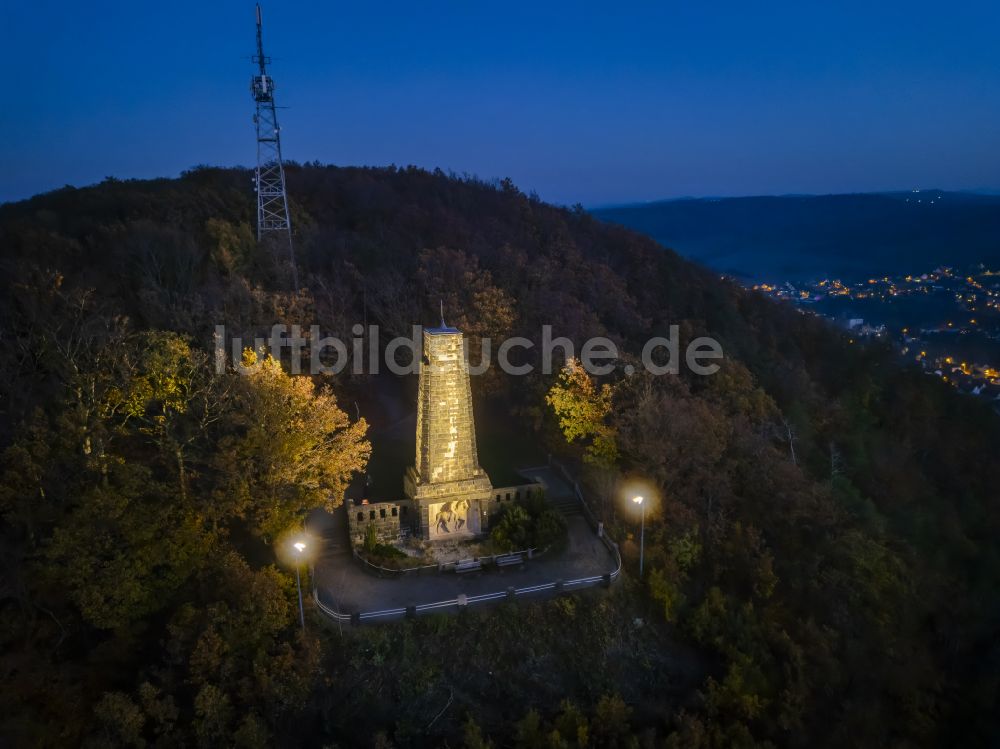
[806, 237]
[825, 542]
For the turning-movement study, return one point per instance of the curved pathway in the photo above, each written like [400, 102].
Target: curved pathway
[344, 587]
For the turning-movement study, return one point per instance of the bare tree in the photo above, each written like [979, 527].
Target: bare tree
[792, 436]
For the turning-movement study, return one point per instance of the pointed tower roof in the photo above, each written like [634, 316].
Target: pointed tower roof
[444, 328]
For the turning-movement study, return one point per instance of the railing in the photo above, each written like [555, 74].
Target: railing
[441, 566]
[463, 601]
[598, 527]
[393, 572]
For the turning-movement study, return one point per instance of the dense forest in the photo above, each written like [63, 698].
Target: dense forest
[822, 563]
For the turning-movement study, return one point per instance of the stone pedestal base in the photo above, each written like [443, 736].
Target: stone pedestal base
[451, 509]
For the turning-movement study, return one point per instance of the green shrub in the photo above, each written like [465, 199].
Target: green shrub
[380, 553]
[530, 523]
[371, 539]
[512, 529]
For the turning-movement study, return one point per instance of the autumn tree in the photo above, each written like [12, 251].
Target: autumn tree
[584, 411]
[170, 395]
[125, 547]
[583, 408]
[232, 245]
[292, 447]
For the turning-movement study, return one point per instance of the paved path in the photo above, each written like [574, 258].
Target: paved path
[555, 486]
[346, 587]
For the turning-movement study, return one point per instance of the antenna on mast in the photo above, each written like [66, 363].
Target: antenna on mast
[269, 179]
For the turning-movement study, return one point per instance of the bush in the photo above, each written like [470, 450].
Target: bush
[386, 551]
[371, 539]
[530, 523]
[379, 553]
[512, 529]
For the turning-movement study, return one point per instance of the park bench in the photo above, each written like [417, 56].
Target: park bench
[468, 565]
[509, 560]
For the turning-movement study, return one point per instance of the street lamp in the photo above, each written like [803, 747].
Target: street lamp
[299, 548]
[642, 532]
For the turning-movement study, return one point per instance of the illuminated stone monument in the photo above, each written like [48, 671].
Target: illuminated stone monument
[449, 490]
[448, 494]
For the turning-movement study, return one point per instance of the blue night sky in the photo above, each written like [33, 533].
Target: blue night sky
[591, 102]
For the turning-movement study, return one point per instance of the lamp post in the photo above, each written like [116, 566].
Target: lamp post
[642, 532]
[299, 548]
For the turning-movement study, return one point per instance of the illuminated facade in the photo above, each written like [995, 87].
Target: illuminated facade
[448, 494]
[449, 490]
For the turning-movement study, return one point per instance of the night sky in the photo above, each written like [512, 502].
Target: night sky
[582, 102]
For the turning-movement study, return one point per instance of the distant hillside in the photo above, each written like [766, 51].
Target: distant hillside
[801, 237]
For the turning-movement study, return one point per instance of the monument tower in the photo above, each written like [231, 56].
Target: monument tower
[446, 484]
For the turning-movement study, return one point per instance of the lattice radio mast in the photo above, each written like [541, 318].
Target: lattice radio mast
[269, 180]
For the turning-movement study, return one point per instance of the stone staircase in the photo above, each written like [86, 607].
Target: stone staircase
[567, 505]
[331, 532]
[558, 491]
[335, 541]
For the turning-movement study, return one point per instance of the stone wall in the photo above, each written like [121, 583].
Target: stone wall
[391, 520]
[503, 495]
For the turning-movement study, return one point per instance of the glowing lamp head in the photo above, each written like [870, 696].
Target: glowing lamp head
[299, 546]
[637, 500]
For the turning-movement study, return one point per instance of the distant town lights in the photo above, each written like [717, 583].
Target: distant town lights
[977, 304]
